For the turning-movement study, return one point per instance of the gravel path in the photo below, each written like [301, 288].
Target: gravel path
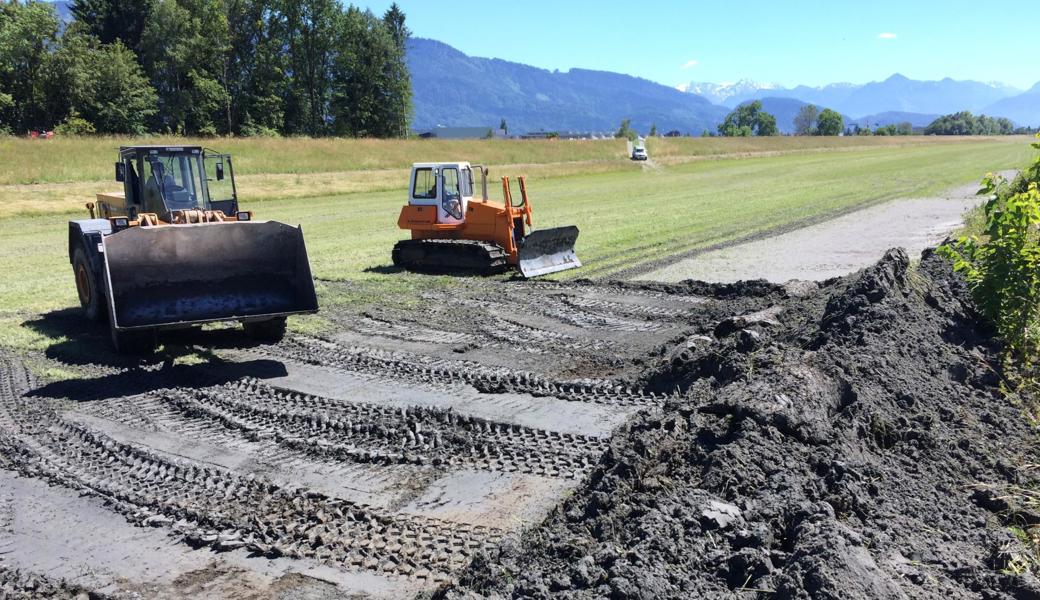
[832, 248]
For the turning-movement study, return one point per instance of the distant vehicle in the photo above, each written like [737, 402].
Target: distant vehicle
[639, 153]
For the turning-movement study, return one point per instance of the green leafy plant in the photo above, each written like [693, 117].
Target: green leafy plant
[1002, 266]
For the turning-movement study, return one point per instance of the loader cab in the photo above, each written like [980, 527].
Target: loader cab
[446, 186]
[166, 179]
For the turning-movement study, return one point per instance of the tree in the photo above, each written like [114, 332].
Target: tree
[28, 36]
[371, 94]
[111, 20]
[653, 130]
[103, 85]
[805, 120]
[184, 49]
[504, 127]
[626, 131]
[748, 119]
[394, 19]
[830, 122]
[965, 123]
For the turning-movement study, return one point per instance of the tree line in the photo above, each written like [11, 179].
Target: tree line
[965, 123]
[205, 67]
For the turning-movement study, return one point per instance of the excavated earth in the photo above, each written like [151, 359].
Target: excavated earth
[530, 439]
[848, 441]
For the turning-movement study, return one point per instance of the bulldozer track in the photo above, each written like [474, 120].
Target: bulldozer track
[369, 433]
[207, 506]
[440, 372]
[438, 256]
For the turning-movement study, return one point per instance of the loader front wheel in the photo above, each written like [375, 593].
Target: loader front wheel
[86, 287]
[271, 330]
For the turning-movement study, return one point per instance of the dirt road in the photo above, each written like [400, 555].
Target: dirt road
[833, 248]
[375, 460]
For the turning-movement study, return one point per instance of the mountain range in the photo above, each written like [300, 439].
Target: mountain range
[897, 93]
[452, 89]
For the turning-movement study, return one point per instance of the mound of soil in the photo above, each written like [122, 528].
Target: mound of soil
[849, 441]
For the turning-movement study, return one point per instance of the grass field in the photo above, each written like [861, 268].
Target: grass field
[60, 175]
[628, 214]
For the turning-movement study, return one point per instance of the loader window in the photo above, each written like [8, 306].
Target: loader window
[425, 185]
[176, 180]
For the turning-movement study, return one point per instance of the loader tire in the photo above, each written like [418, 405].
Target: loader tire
[90, 297]
[271, 330]
[134, 342]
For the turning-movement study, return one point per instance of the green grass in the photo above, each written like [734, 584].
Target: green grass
[627, 217]
[65, 160]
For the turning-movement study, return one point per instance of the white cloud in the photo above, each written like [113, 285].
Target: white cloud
[689, 64]
[886, 36]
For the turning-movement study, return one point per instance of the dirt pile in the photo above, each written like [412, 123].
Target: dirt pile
[847, 442]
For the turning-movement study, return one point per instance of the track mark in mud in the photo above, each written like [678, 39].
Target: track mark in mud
[440, 372]
[210, 507]
[370, 433]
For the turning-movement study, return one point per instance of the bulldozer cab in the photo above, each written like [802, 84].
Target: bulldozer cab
[166, 179]
[448, 186]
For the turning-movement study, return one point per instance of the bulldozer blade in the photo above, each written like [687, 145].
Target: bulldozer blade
[548, 250]
[169, 276]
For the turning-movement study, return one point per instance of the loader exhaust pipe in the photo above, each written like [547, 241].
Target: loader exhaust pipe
[178, 275]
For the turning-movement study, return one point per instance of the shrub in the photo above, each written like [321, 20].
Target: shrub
[1002, 266]
[75, 125]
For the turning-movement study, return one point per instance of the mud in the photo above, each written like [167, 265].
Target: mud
[377, 459]
[850, 442]
[528, 439]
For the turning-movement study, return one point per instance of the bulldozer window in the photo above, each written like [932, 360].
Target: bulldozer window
[425, 185]
[451, 183]
[467, 183]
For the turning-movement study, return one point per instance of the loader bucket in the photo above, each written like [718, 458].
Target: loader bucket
[548, 250]
[167, 276]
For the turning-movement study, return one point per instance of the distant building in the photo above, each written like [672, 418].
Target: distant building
[461, 133]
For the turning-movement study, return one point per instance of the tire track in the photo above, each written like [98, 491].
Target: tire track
[486, 379]
[368, 433]
[208, 506]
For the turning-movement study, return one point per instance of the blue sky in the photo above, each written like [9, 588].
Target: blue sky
[789, 42]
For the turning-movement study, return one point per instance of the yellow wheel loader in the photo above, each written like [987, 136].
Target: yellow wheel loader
[173, 250]
[453, 231]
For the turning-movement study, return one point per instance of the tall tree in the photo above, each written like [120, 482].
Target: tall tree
[394, 19]
[28, 36]
[184, 47]
[310, 28]
[397, 81]
[111, 20]
[256, 68]
[102, 84]
[805, 120]
[830, 123]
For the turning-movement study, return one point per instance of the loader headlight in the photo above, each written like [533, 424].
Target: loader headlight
[120, 223]
[244, 216]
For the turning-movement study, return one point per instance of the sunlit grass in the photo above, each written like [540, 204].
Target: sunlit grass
[627, 216]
